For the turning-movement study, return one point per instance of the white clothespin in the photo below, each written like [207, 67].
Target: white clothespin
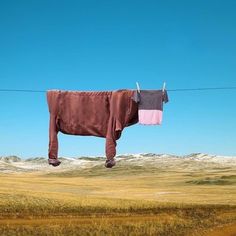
[138, 88]
[164, 87]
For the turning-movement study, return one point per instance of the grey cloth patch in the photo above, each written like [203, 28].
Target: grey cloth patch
[150, 99]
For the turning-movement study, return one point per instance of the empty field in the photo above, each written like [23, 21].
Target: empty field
[146, 195]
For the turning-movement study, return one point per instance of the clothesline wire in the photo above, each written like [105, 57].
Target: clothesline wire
[200, 89]
[23, 90]
[168, 90]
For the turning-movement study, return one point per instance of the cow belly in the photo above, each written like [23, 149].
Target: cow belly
[82, 114]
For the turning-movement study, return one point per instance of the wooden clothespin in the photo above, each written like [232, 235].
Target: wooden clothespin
[138, 88]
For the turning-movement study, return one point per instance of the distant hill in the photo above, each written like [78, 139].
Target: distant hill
[10, 159]
[129, 163]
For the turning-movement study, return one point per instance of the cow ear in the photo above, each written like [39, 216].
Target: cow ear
[165, 97]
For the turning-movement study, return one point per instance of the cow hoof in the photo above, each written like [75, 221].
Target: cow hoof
[54, 162]
[110, 163]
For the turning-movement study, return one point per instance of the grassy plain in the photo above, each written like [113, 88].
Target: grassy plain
[125, 200]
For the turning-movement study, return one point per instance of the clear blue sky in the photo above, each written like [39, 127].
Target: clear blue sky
[109, 45]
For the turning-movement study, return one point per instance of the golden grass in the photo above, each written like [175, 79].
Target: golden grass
[86, 203]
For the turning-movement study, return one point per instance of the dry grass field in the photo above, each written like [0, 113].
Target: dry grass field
[141, 195]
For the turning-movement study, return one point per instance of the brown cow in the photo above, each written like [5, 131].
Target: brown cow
[97, 113]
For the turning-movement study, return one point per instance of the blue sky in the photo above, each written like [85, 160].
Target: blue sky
[109, 45]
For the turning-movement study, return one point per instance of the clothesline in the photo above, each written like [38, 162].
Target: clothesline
[169, 90]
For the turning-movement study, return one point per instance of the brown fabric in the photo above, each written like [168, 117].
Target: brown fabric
[102, 114]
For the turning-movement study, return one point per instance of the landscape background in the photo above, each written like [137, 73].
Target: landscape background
[144, 194]
[109, 45]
